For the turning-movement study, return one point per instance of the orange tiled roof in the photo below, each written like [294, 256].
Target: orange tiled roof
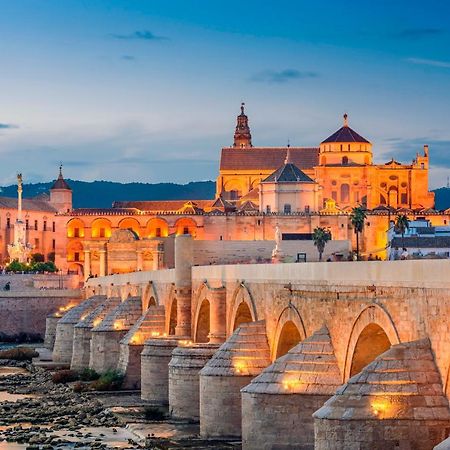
[161, 205]
[28, 204]
[267, 158]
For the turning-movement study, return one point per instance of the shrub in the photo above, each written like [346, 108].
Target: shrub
[80, 387]
[154, 413]
[109, 381]
[19, 354]
[64, 376]
[37, 257]
[16, 266]
[88, 374]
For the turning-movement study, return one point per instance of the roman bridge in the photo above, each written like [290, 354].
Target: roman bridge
[273, 343]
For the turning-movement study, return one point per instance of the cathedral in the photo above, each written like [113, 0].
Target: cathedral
[341, 169]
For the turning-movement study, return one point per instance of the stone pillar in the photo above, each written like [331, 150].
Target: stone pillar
[139, 260]
[243, 356]
[395, 402]
[158, 256]
[50, 331]
[218, 315]
[155, 360]
[277, 406]
[184, 380]
[102, 254]
[183, 283]
[87, 264]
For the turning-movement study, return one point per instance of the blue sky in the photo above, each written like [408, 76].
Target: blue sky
[149, 90]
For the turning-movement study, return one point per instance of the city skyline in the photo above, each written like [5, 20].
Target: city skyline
[129, 91]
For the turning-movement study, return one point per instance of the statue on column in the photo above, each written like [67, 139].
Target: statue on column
[19, 250]
[277, 254]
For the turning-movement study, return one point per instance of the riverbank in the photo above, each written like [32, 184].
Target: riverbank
[37, 414]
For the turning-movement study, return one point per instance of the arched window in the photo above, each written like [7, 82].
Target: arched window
[345, 193]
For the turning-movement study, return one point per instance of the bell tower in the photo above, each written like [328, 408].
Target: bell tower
[61, 194]
[242, 135]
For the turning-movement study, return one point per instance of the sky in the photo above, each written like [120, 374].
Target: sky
[129, 90]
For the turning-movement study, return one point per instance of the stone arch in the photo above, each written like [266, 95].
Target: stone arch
[241, 309]
[75, 228]
[75, 268]
[186, 225]
[290, 330]
[373, 320]
[171, 313]
[101, 228]
[149, 296]
[157, 227]
[130, 223]
[202, 328]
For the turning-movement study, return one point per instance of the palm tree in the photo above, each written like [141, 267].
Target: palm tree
[357, 218]
[401, 225]
[320, 237]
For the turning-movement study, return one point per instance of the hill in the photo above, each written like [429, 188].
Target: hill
[101, 194]
[442, 198]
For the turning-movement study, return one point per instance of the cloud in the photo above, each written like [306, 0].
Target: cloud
[417, 33]
[7, 126]
[128, 58]
[282, 76]
[405, 150]
[429, 62]
[144, 35]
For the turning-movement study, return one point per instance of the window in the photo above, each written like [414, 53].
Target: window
[334, 195]
[341, 147]
[186, 230]
[36, 243]
[53, 227]
[345, 193]
[268, 210]
[76, 256]
[27, 224]
[53, 244]
[158, 232]
[45, 225]
[76, 232]
[102, 232]
[287, 208]
[8, 222]
[404, 198]
[345, 160]
[258, 222]
[422, 165]
[348, 147]
[36, 225]
[307, 209]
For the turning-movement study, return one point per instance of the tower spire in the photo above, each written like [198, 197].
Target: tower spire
[242, 135]
[345, 120]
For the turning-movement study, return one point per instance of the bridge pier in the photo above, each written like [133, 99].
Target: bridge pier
[184, 382]
[82, 333]
[243, 356]
[151, 323]
[278, 404]
[155, 359]
[397, 401]
[107, 335]
[62, 350]
[51, 322]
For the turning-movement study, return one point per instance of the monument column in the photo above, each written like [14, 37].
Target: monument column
[218, 322]
[87, 263]
[183, 283]
[102, 254]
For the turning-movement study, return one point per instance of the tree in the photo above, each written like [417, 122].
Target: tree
[401, 225]
[320, 237]
[357, 218]
[37, 257]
